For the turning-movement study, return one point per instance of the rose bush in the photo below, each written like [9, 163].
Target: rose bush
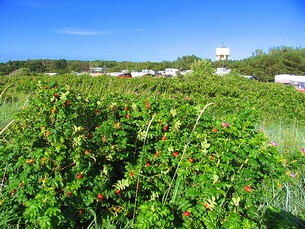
[131, 161]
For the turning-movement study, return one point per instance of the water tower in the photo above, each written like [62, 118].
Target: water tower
[222, 53]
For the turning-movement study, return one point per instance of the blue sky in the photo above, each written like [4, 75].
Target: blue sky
[146, 30]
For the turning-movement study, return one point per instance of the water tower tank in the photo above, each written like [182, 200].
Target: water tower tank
[222, 53]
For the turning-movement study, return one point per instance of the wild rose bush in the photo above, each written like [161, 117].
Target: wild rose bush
[135, 162]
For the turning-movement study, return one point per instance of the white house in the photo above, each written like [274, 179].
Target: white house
[171, 71]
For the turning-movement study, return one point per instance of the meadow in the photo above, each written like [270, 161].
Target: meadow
[194, 151]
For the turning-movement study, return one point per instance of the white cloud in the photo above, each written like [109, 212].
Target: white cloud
[140, 30]
[80, 32]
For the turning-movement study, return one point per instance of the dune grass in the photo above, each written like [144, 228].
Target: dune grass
[290, 139]
[9, 107]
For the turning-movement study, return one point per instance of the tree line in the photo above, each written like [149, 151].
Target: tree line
[63, 66]
[264, 66]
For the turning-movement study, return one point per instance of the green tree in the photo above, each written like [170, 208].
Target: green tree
[278, 60]
[185, 62]
[35, 66]
[59, 66]
[259, 52]
[202, 68]
[78, 66]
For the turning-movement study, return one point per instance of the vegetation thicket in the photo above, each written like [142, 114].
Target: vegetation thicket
[195, 151]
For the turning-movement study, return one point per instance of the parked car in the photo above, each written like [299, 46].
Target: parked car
[125, 75]
[299, 86]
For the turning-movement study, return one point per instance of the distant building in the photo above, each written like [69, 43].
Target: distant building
[185, 72]
[222, 71]
[143, 73]
[222, 53]
[171, 71]
[114, 73]
[160, 73]
[289, 79]
[249, 77]
[149, 71]
[51, 73]
[98, 70]
[96, 74]
[298, 82]
[118, 73]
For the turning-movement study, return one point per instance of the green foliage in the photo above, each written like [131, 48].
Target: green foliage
[265, 66]
[119, 136]
[40, 66]
[73, 161]
[185, 62]
[202, 68]
[231, 93]
[59, 66]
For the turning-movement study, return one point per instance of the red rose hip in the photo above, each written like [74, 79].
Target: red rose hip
[100, 196]
[186, 213]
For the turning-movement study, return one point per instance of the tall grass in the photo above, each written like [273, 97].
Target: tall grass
[7, 111]
[290, 135]
[9, 106]
[290, 138]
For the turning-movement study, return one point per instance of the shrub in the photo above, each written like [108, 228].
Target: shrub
[129, 161]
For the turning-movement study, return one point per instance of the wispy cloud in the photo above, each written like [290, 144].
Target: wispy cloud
[139, 30]
[80, 32]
